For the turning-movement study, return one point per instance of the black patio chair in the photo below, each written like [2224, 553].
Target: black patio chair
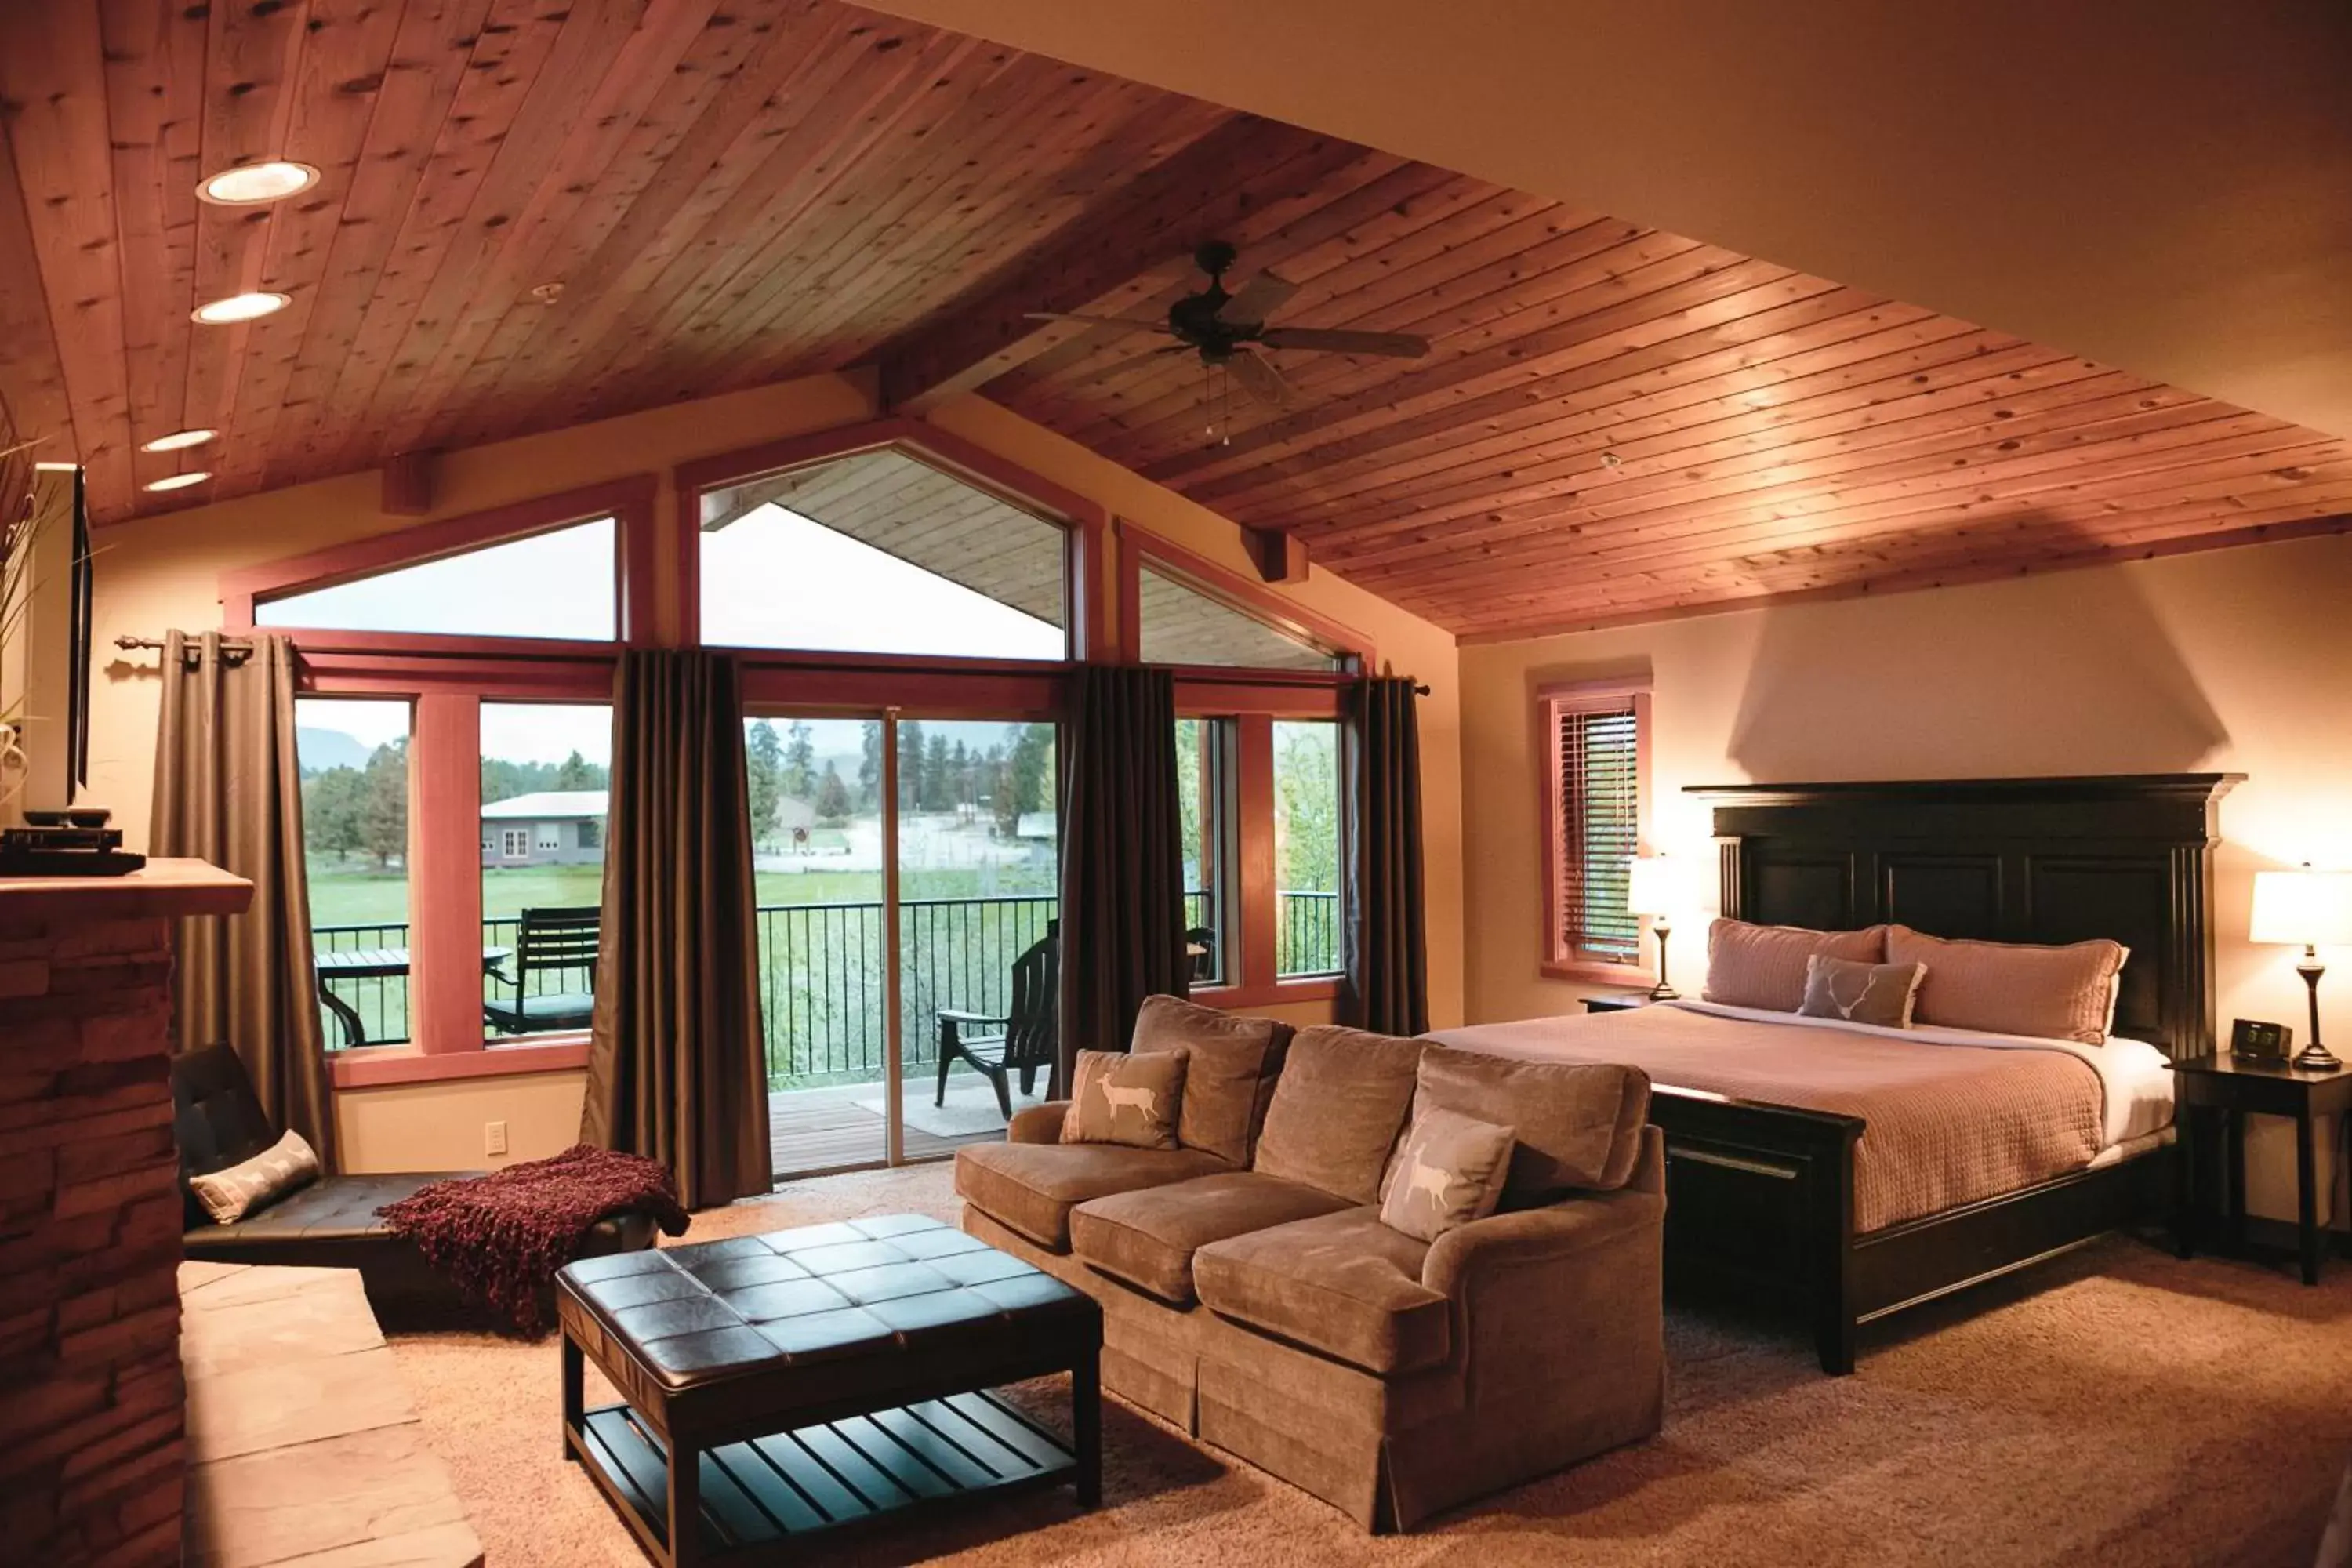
[1023, 1041]
[553, 938]
[1204, 963]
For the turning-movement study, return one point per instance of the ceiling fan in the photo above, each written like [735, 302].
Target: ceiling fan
[1231, 330]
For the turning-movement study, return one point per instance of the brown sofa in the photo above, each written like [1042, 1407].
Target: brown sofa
[1252, 1296]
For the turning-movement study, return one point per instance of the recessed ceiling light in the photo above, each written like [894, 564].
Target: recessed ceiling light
[179, 481]
[178, 440]
[255, 183]
[239, 308]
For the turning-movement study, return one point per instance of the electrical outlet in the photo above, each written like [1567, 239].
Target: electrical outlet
[494, 1137]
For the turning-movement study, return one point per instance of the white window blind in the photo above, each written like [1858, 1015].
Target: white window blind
[1598, 752]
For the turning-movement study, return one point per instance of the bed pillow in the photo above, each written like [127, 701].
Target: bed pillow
[1764, 966]
[1120, 1098]
[1449, 1172]
[1880, 994]
[2012, 988]
[1230, 1076]
[251, 1186]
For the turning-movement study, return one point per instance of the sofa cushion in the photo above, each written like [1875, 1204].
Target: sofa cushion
[1234, 1062]
[1118, 1098]
[1342, 1283]
[1336, 1110]
[1579, 1124]
[1147, 1237]
[1033, 1187]
[1449, 1171]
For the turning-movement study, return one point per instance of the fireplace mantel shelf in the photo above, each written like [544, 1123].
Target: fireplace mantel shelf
[160, 888]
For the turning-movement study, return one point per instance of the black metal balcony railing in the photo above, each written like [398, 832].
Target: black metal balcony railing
[821, 981]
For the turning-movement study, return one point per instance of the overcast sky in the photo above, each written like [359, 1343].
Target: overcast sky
[772, 579]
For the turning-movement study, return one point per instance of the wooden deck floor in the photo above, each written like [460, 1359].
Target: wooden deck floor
[814, 1131]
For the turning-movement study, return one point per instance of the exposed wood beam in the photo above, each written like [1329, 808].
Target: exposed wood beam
[1280, 557]
[407, 485]
[1154, 221]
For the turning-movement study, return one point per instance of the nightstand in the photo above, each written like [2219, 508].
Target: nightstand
[1617, 1002]
[2226, 1088]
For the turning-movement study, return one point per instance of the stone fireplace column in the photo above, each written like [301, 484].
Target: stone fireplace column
[92, 1408]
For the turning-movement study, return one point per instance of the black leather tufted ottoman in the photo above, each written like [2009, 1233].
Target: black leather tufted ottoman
[818, 1377]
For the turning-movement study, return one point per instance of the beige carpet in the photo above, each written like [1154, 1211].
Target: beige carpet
[2121, 1407]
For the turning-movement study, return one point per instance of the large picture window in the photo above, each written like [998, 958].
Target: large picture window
[561, 584]
[1595, 747]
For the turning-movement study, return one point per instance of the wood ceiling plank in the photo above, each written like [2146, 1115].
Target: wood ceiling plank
[783, 160]
[154, 52]
[809, 283]
[1889, 410]
[52, 81]
[250, 62]
[1764, 352]
[717, 57]
[32, 379]
[1651, 303]
[346, 47]
[2091, 491]
[499, 258]
[430, 56]
[522, 90]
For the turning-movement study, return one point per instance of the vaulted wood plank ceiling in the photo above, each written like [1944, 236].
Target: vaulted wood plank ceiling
[1613, 423]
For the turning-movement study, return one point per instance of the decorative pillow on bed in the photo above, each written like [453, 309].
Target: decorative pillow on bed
[2013, 987]
[251, 1186]
[1880, 994]
[1120, 1098]
[1449, 1172]
[1764, 966]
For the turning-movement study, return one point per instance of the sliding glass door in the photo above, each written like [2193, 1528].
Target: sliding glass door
[936, 836]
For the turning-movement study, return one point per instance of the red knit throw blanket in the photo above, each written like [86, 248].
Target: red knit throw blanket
[501, 1238]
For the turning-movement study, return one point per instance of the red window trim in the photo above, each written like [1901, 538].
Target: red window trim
[374, 1066]
[629, 501]
[1139, 545]
[1087, 520]
[1551, 700]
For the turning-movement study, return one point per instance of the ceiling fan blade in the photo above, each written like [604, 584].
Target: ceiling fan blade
[1259, 298]
[1132, 322]
[1259, 378]
[1395, 345]
[1137, 361]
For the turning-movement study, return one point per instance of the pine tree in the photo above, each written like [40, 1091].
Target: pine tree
[869, 765]
[832, 796]
[938, 783]
[763, 764]
[578, 774]
[910, 765]
[799, 761]
[384, 819]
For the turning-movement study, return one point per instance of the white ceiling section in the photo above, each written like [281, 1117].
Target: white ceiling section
[2164, 186]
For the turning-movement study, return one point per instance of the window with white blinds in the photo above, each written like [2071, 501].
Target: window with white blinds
[1596, 752]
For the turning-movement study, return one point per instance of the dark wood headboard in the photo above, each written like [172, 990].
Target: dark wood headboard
[2041, 860]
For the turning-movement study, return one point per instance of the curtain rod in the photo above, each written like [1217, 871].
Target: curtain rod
[233, 649]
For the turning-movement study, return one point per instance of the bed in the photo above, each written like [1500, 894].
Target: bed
[1847, 1175]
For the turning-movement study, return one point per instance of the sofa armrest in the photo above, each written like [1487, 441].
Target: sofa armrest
[1462, 1260]
[1037, 1123]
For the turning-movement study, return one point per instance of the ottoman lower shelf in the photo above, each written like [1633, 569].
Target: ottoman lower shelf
[759, 1493]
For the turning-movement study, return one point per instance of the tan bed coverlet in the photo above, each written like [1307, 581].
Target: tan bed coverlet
[1947, 1124]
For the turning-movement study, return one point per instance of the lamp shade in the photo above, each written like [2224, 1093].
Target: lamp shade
[1659, 885]
[2303, 907]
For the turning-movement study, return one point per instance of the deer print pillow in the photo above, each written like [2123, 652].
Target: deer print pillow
[1117, 1097]
[1880, 994]
[1450, 1172]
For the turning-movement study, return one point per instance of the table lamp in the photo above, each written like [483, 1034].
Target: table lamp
[2310, 909]
[1658, 886]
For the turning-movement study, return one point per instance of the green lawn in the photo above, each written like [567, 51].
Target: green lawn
[352, 893]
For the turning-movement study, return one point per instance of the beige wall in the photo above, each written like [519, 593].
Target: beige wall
[2238, 661]
[162, 574]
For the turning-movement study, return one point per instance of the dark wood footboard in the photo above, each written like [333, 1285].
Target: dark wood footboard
[1760, 1207]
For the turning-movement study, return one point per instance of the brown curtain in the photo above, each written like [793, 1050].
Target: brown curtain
[1122, 858]
[229, 790]
[1387, 957]
[677, 1071]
